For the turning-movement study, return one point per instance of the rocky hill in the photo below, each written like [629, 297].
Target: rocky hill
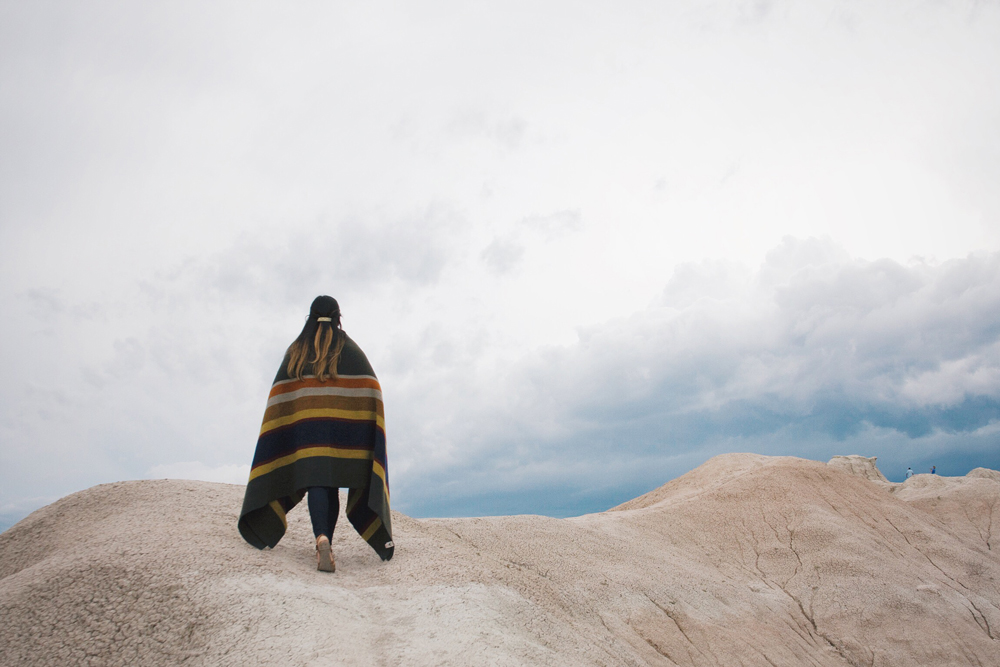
[747, 560]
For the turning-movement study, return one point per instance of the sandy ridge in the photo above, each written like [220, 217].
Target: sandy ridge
[747, 560]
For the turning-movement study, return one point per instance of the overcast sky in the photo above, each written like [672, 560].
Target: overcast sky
[586, 245]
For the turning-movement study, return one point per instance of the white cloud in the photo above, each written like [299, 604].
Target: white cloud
[508, 133]
[502, 255]
[953, 381]
[554, 224]
[473, 184]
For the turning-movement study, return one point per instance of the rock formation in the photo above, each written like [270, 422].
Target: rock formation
[863, 466]
[747, 560]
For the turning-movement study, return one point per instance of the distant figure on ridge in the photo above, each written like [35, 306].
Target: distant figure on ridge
[909, 473]
[933, 470]
[323, 429]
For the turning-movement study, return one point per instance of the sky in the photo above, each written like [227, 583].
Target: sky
[586, 245]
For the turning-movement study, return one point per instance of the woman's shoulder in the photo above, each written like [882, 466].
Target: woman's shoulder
[353, 360]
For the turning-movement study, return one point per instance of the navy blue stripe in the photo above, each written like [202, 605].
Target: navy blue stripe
[324, 432]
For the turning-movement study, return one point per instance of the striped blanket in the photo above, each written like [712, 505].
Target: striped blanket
[321, 434]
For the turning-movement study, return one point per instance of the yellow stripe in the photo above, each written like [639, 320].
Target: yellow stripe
[376, 524]
[356, 415]
[334, 452]
[380, 471]
[279, 510]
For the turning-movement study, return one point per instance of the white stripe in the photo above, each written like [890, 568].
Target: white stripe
[362, 392]
[313, 377]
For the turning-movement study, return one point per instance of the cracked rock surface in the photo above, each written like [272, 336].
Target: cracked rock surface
[747, 560]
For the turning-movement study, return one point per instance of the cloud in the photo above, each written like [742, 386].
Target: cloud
[554, 224]
[815, 353]
[474, 186]
[952, 381]
[506, 252]
[477, 124]
[355, 253]
[502, 255]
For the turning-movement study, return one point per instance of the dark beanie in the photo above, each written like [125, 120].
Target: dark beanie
[324, 306]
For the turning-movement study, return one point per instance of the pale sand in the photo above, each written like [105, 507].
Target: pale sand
[748, 560]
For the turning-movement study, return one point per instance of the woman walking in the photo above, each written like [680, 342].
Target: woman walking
[324, 428]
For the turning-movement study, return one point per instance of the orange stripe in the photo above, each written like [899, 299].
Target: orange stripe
[348, 403]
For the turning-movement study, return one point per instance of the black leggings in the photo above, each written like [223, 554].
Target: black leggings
[324, 506]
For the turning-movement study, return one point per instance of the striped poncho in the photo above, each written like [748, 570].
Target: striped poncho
[321, 434]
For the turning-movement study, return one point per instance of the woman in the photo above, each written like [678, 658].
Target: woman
[323, 429]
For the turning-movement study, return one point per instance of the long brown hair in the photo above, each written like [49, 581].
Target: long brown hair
[320, 342]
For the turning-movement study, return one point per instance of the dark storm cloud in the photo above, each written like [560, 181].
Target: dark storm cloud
[815, 354]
